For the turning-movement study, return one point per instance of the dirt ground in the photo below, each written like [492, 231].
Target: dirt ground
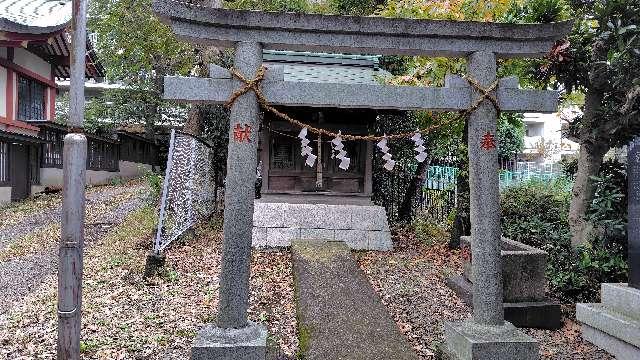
[128, 317]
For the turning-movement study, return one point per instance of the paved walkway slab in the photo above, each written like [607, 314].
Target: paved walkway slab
[340, 316]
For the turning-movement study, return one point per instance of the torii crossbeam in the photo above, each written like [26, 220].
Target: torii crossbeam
[481, 43]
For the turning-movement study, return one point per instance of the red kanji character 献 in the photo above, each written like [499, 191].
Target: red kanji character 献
[488, 141]
[240, 134]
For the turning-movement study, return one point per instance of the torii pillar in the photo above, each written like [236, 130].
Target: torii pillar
[233, 336]
[486, 335]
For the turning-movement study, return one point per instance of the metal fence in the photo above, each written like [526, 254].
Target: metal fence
[189, 193]
[439, 192]
[437, 198]
[526, 171]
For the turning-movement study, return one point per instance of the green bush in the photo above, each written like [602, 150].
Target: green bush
[536, 214]
[155, 183]
[429, 231]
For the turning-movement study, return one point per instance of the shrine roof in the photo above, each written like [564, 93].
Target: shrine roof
[34, 16]
[327, 68]
[57, 50]
[357, 35]
[40, 26]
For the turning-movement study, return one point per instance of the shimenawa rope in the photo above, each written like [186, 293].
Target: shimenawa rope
[254, 85]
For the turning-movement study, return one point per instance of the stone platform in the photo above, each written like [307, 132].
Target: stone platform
[523, 277]
[470, 341]
[614, 324]
[248, 343]
[357, 222]
[340, 316]
[533, 314]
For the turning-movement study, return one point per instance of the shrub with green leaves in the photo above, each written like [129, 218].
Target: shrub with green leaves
[429, 231]
[536, 213]
[155, 183]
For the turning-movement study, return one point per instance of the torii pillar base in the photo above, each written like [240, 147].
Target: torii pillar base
[248, 343]
[468, 340]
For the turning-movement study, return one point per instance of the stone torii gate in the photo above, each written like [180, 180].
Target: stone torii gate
[487, 335]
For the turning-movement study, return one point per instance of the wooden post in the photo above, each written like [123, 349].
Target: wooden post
[319, 165]
[73, 202]
[319, 182]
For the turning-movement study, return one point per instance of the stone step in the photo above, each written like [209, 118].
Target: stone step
[340, 316]
[607, 320]
[622, 298]
[616, 347]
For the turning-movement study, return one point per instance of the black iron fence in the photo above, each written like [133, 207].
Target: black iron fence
[435, 197]
[103, 154]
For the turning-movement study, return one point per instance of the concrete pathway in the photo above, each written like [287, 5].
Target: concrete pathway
[339, 314]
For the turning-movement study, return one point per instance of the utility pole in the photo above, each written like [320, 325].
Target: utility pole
[73, 201]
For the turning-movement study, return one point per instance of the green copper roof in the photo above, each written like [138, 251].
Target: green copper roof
[327, 68]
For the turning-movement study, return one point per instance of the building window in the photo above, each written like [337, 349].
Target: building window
[34, 164]
[101, 155]
[4, 163]
[30, 99]
[52, 149]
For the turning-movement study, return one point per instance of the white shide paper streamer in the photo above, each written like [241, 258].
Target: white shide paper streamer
[307, 151]
[340, 153]
[388, 158]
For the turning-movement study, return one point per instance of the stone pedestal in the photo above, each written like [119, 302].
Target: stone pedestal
[361, 227]
[248, 343]
[614, 324]
[155, 262]
[468, 340]
[523, 281]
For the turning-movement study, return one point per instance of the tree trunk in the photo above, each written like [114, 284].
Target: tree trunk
[193, 125]
[462, 222]
[592, 150]
[589, 162]
[405, 212]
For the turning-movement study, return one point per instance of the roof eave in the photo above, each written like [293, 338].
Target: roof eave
[13, 27]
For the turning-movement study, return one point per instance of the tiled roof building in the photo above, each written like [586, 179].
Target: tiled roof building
[34, 52]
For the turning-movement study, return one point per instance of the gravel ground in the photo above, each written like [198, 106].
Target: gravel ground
[25, 269]
[20, 219]
[411, 282]
[127, 317]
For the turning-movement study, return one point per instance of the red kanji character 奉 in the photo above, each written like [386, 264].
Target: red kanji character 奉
[240, 134]
[488, 141]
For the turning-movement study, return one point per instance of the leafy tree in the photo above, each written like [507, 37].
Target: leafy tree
[511, 132]
[354, 7]
[420, 71]
[601, 59]
[138, 51]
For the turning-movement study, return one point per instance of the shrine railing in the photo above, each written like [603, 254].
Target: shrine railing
[189, 192]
